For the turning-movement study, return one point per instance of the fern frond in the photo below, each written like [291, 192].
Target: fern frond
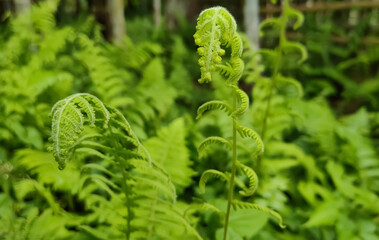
[274, 22]
[213, 140]
[253, 180]
[169, 150]
[243, 205]
[155, 91]
[269, 52]
[69, 116]
[215, 28]
[237, 67]
[299, 47]
[203, 206]
[109, 81]
[291, 12]
[101, 182]
[213, 105]
[209, 174]
[293, 82]
[247, 132]
[97, 167]
[243, 100]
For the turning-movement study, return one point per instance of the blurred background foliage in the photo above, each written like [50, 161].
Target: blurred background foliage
[320, 169]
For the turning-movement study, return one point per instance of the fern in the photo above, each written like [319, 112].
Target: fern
[278, 82]
[169, 150]
[109, 81]
[253, 181]
[213, 140]
[216, 32]
[213, 105]
[69, 117]
[28, 69]
[244, 205]
[208, 174]
[147, 193]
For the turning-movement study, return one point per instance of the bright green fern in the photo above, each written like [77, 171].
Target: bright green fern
[121, 172]
[217, 34]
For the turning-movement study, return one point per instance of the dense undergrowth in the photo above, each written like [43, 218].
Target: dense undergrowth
[128, 147]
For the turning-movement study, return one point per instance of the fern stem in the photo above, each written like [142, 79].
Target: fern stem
[128, 204]
[152, 214]
[234, 166]
[124, 188]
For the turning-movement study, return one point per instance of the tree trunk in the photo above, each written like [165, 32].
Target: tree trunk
[175, 9]
[157, 12]
[21, 6]
[117, 20]
[251, 21]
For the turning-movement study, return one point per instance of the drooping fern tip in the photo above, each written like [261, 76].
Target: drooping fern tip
[68, 119]
[216, 31]
[71, 115]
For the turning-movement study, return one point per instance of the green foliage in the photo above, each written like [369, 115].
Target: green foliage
[145, 185]
[306, 147]
[169, 149]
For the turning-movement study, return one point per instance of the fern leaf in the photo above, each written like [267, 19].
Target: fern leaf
[237, 67]
[243, 205]
[253, 181]
[169, 150]
[213, 105]
[244, 102]
[98, 167]
[275, 22]
[208, 174]
[213, 140]
[202, 207]
[247, 132]
[69, 116]
[298, 15]
[293, 82]
[269, 52]
[299, 47]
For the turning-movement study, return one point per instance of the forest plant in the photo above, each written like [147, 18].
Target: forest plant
[217, 33]
[141, 190]
[276, 56]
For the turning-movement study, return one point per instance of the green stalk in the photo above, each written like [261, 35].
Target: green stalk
[124, 188]
[234, 161]
[128, 219]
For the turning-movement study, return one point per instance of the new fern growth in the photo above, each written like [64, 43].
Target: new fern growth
[70, 116]
[81, 123]
[217, 34]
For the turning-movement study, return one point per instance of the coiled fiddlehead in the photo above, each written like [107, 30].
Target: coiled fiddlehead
[216, 33]
[216, 28]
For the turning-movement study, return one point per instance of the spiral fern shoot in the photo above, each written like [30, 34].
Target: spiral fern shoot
[216, 33]
[216, 29]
